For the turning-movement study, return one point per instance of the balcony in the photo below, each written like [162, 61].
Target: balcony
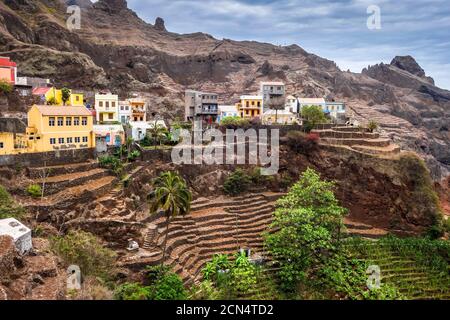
[209, 110]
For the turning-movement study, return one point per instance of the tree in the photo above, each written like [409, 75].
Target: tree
[372, 125]
[5, 86]
[313, 115]
[158, 133]
[277, 103]
[65, 95]
[171, 195]
[8, 207]
[306, 227]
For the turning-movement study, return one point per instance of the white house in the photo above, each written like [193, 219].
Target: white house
[107, 107]
[291, 104]
[125, 111]
[227, 111]
[139, 128]
[278, 117]
[19, 232]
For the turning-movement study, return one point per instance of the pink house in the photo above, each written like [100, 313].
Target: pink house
[8, 70]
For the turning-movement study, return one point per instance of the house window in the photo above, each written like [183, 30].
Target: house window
[69, 140]
[85, 139]
[76, 121]
[77, 139]
[60, 121]
[259, 104]
[77, 98]
[60, 140]
[110, 116]
[51, 122]
[121, 108]
[1, 145]
[247, 104]
[100, 104]
[107, 105]
[84, 121]
[126, 108]
[52, 141]
[68, 121]
[113, 104]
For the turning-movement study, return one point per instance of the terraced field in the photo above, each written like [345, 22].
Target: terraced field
[412, 278]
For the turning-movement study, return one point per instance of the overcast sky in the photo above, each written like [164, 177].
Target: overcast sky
[336, 30]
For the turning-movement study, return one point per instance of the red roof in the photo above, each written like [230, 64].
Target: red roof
[5, 62]
[40, 91]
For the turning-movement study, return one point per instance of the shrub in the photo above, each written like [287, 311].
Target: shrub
[234, 122]
[417, 177]
[85, 250]
[8, 207]
[133, 155]
[372, 126]
[236, 183]
[132, 291]
[302, 143]
[112, 163]
[34, 190]
[165, 285]
[5, 87]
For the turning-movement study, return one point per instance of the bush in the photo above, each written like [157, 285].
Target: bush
[301, 142]
[132, 291]
[34, 190]
[8, 207]
[133, 155]
[372, 126]
[426, 201]
[112, 163]
[5, 87]
[236, 183]
[85, 250]
[234, 122]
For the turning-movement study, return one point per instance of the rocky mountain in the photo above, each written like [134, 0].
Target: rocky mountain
[115, 48]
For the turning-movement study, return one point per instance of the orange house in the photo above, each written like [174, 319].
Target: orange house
[8, 70]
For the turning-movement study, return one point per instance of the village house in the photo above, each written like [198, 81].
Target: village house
[278, 117]
[106, 108]
[336, 110]
[125, 113]
[270, 90]
[250, 106]
[25, 85]
[227, 111]
[292, 104]
[12, 136]
[139, 129]
[53, 96]
[8, 70]
[138, 110]
[20, 234]
[201, 106]
[54, 128]
[108, 135]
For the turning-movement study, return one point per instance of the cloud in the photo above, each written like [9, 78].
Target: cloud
[336, 30]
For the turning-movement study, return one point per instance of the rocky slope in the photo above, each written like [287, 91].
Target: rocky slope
[115, 48]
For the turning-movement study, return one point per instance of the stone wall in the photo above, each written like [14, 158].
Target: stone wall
[51, 158]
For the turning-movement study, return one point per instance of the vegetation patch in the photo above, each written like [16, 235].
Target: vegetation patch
[8, 207]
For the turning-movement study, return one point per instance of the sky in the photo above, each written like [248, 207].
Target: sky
[336, 30]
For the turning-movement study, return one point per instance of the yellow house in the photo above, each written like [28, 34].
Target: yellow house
[48, 94]
[250, 106]
[12, 136]
[53, 128]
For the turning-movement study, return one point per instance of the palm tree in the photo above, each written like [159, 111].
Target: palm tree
[158, 133]
[172, 196]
